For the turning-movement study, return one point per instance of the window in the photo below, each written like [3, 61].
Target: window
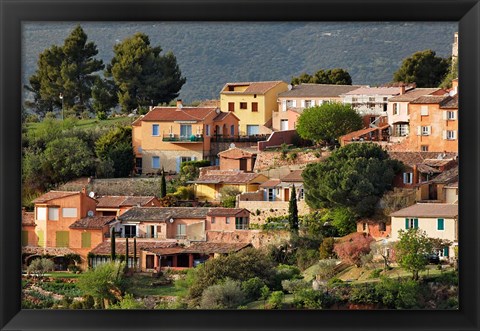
[155, 130]
[181, 229]
[155, 162]
[231, 106]
[185, 159]
[301, 194]
[364, 226]
[53, 214]
[424, 148]
[185, 131]
[449, 115]
[41, 213]
[385, 99]
[354, 99]
[243, 105]
[138, 162]
[227, 220]
[401, 130]
[207, 130]
[411, 223]
[253, 130]
[382, 226]
[424, 130]
[291, 103]
[61, 239]
[371, 99]
[86, 239]
[407, 178]
[424, 110]
[69, 212]
[130, 231]
[213, 220]
[450, 135]
[254, 106]
[308, 103]
[440, 224]
[241, 223]
[271, 194]
[232, 130]
[395, 108]
[283, 125]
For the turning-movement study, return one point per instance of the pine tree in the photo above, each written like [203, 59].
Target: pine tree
[293, 211]
[163, 185]
[112, 245]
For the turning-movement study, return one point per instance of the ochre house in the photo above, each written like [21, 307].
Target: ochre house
[253, 103]
[167, 136]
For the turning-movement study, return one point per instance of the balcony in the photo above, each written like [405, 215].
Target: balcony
[240, 138]
[175, 138]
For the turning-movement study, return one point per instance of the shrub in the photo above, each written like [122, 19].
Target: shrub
[40, 266]
[311, 299]
[252, 288]
[223, 296]
[351, 249]
[375, 273]
[294, 285]
[275, 300]
[363, 293]
[325, 269]
[326, 248]
[306, 257]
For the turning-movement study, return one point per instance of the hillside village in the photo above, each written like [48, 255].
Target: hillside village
[251, 160]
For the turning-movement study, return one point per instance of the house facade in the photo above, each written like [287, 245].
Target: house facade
[236, 158]
[253, 103]
[292, 102]
[167, 136]
[29, 238]
[438, 220]
[376, 228]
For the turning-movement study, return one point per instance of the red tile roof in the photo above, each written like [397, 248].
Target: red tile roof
[429, 99]
[54, 251]
[253, 87]
[271, 183]
[433, 210]
[413, 94]
[170, 114]
[112, 201]
[450, 103]
[414, 158]
[104, 248]
[163, 214]
[222, 115]
[95, 222]
[53, 195]
[293, 176]
[318, 90]
[375, 91]
[215, 247]
[224, 211]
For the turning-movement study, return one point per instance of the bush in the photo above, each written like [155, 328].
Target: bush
[363, 293]
[228, 202]
[375, 273]
[228, 295]
[275, 300]
[294, 285]
[306, 257]
[311, 299]
[325, 269]
[252, 288]
[326, 249]
[41, 266]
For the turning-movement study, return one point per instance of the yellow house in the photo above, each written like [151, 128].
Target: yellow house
[253, 103]
[167, 136]
[211, 182]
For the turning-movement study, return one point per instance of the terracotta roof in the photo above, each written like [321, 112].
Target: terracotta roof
[164, 250]
[224, 211]
[221, 116]
[212, 247]
[414, 158]
[209, 103]
[28, 217]
[253, 87]
[226, 177]
[450, 103]
[293, 176]
[104, 248]
[437, 162]
[452, 185]
[54, 251]
[95, 222]
[428, 210]
[243, 151]
[359, 133]
[117, 201]
[163, 214]
[271, 183]
[429, 99]
[53, 195]
[318, 90]
[448, 176]
[423, 168]
[375, 91]
[413, 94]
[170, 114]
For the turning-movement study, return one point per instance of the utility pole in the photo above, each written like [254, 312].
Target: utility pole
[61, 98]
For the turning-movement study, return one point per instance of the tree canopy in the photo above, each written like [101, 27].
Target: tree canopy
[67, 70]
[142, 75]
[337, 76]
[423, 68]
[326, 123]
[411, 250]
[354, 176]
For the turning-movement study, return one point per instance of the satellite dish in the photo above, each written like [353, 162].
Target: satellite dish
[91, 194]
[290, 86]
[171, 220]
[232, 145]
[218, 110]
[90, 213]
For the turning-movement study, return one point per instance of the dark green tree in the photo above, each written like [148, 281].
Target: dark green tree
[354, 176]
[116, 145]
[326, 123]
[142, 75]
[135, 253]
[423, 68]
[68, 70]
[126, 253]
[112, 244]
[163, 186]
[104, 97]
[411, 250]
[337, 76]
[293, 211]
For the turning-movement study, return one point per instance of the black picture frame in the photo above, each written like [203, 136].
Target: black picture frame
[13, 12]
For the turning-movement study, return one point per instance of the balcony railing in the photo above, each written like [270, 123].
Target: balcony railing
[240, 138]
[175, 138]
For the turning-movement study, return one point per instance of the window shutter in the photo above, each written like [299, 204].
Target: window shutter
[454, 115]
[284, 105]
[294, 103]
[445, 115]
[419, 130]
[24, 238]
[429, 130]
[178, 164]
[405, 179]
[406, 223]
[445, 251]
[444, 134]
[313, 102]
[440, 224]
[302, 102]
[454, 134]
[415, 223]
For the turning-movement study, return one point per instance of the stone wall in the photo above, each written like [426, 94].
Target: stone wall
[257, 238]
[273, 159]
[278, 138]
[261, 210]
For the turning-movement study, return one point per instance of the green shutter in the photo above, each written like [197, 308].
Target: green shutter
[406, 223]
[86, 239]
[445, 252]
[61, 239]
[440, 224]
[415, 223]
[41, 238]
[24, 238]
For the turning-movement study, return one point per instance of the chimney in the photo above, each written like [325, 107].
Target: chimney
[179, 104]
[402, 89]
[455, 84]
[84, 190]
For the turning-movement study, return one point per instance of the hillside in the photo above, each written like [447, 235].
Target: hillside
[211, 54]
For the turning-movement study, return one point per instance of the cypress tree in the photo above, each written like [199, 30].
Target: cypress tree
[163, 185]
[293, 211]
[134, 253]
[112, 246]
[126, 254]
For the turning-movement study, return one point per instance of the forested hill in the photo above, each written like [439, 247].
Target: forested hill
[211, 54]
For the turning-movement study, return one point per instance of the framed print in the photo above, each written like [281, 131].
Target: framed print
[252, 217]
